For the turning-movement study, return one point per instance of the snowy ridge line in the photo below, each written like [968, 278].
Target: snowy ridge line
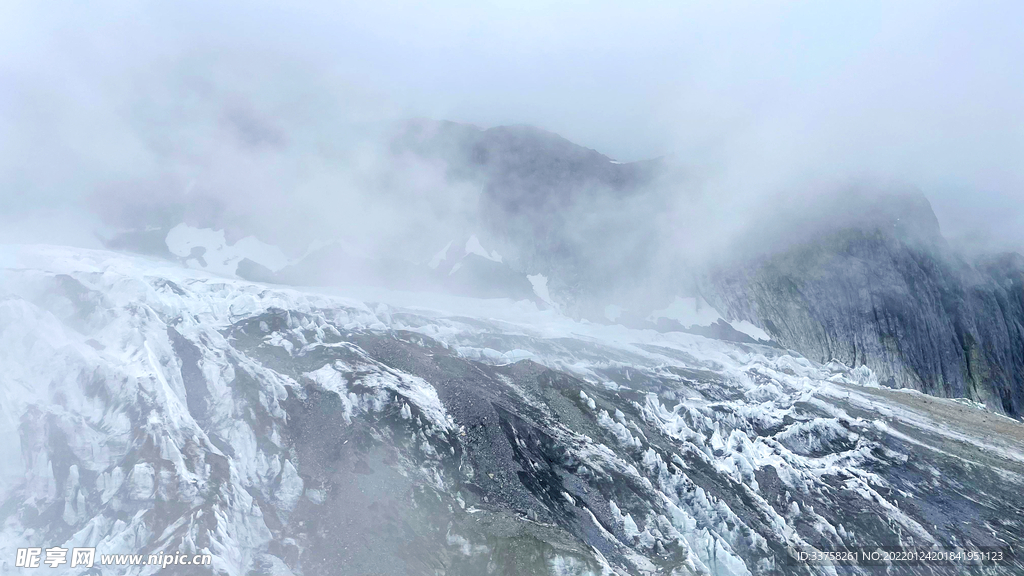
[125, 340]
[135, 379]
[173, 403]
[919, 419]
[125, 279]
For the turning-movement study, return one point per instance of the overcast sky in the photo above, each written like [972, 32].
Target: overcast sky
[760, 94]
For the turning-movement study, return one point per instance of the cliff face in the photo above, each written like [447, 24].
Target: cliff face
[893, 297]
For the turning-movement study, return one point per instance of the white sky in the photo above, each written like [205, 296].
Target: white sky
[759, 94]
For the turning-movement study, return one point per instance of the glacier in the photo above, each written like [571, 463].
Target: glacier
[152, 407]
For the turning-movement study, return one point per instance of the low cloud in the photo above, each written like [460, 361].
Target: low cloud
[273, 117]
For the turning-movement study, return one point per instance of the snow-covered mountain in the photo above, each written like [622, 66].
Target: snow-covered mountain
[863, 277]
[154, 407]
[861, 274]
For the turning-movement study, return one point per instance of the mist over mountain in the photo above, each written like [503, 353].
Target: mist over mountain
[512, 288]
[857, 273]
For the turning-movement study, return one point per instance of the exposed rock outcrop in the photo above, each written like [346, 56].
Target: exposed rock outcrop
[887, 292]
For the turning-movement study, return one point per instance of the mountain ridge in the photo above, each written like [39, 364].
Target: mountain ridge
[283, 431]
[859, 273]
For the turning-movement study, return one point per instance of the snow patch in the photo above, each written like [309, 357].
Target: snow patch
[540, 287]
[688, 312]
[217, 255]
[440, 256]
[750, 330]
[473, 246]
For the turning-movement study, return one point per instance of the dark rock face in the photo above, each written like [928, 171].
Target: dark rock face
[556, 207]
[525, 169]
[897, 301]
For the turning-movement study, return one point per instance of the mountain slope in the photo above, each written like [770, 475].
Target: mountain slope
[894, 297]
[163, 409]
[860, 275]
[557, 208]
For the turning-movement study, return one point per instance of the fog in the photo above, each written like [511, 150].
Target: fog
[268, 117]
